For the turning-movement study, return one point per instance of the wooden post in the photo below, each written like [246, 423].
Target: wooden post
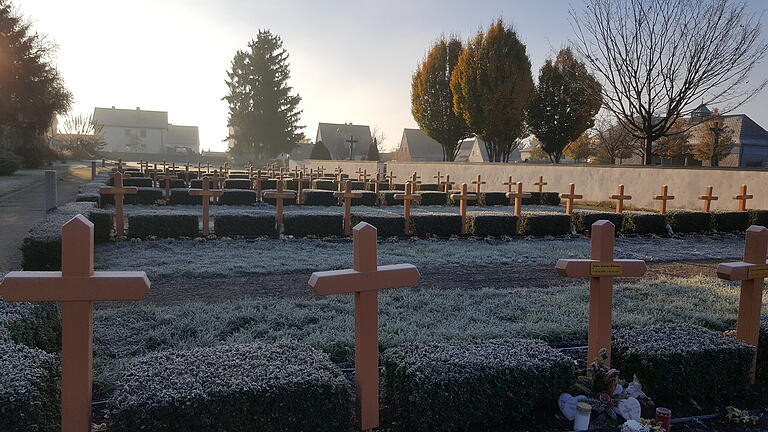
[742, 197]
[708, 198]
[570, 196]
[279, 196]
[620, 198]
[119, 192]
[509, 183]
[518, 197]
[391, 178]
[206, 193]
[415, 181]
[478, 183]
[207, 167]
[541, 183]
[77, 286]
[600, 269]
[347, 196]
[407, 197]
[663, 197]
[752, 273]
[299, 186]
[438, 177]
[463, 197]
[365, 279]
[359, 174]
[365, 176]
[447, 184]
[257, 181]
[199, 170]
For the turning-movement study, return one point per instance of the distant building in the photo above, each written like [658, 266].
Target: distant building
[142, 131]
[303, 150]
[336, 139]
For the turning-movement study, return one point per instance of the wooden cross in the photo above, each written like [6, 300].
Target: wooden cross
[600, 269]
[120, 168]
[447, 184]
[199, 170]
[752, 273]
[415, 179]
[296, 171]
[742, 197]
[299, 187]
[338, 169]
[663, 197]
[620, 198]
[365, 176]
[207, 167]
[463, 197]
[365, 279]
[541, 183]
[518, 197]
[509, 183]
[279, 196]
[708, 198]
[119, 192]
[217, 180]
[206, 193]
[359, 174]
[351, 141]
[257, 182]
[438, 177]
[76, 286]
[570, 196]
[478, 184]
[407, 197]
[166, 178]
[391, 178]
[186, 172]
[321, 170]
[347, 196]
[164, 166]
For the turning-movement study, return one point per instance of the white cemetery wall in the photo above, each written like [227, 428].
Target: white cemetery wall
[349, 167]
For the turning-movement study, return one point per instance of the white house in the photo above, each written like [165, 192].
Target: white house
[142, 131]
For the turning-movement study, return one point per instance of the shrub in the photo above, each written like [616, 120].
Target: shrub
[761, 371]
[41, 248]
[244, 225]
[269, 184]
[439, 225]
[582, 220]
[255, 387]
[88, 197]
[238, 177]
[318, 197]
[29, 396]
[542, 198]
[493, 199]
[102, 224]
[163, 225]
[433, 198]
[368, 198]
[430, 187]
[182, 197]
[238, 197]
[758, 217]
[679, 363]
[329, 185]
[689, 221]
[388, 197]
[9, 163]
[398, 187]
[272, 201]
[472, 386]
[644, 223]
[35, 325]
[489, 224]
[730, 221]
[318, 225]
[144, 195]
[137, 181]
[544, 224]
[386, 225]
[237, 184]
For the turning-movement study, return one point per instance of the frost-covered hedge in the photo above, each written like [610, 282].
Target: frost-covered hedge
[543, 198]
[582, 220]
[255, 387]
[244, 225]
[759, 217]
[182, 197]
[163, 225]
[679, 363]
[730, 221]
[238, 197]
[272, 201]
[29, 396]
[137, 181]
[490, 224]
[472, 386]
[387, 197]
[437, 225]
[492, 199]
[234, 183]
[386, 225]
[433, 198]
[329, 185]
[319, 225]
[368, 199]
[36, 325]
[762, 353]
[644, 223]
[544, 224]
[145, 195]
[686, 222]
[430, 187]
[318, 197]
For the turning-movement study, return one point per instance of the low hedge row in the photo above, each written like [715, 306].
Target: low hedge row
[137, 181]
[437, 225]
[35, 325]
[489, 224]
[472, 386]
[550, 224]
[582, 220]
[386, 226]
[318, 197]
[433, 198]
[492, 199]
[254, 387]
[238, 197]
[368, 199]
[163, 225]
[730, 221]
[680, 363]
[762, 353]
[244, 225]
[644, 223]
[237, 184]
[182, 197]
[29, 394]
[144, 196]
[317, 225]
[290, 201]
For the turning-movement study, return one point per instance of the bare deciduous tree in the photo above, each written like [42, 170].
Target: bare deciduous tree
[659, 59]
[611, 141]
[83, 137]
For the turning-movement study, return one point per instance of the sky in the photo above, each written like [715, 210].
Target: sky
[351, 61]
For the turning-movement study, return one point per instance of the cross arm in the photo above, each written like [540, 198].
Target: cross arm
[52, 286]
[283, 195]
[738, 271]
[594, 268]
[126, 190]
[347, 281]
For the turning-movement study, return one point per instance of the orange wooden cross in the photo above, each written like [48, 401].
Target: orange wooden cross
[407, 197]
[438, 177]
[742, 197]
[359, 174]
[600, 269]
[164, 166]
[207, 167]
[76, 286]
[119, 192]
[166, 178]
[478, 183]
[365, 279]
[415, 180]
[708, 198]
[518, 196]
[463, 197]
[752, 273]
[279, 195]
[347, 195]
[570, 196]
[299, 187]
[257, 182]
[447, 184]
[620, 198]
[541, 183]
[206, 193]
[216, 180]
[321, 170]
[663, 197]
[509, 183]
[364, 176]
[391, 178]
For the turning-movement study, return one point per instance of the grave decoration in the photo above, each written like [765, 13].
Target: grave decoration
[347, 195]
[463, 197]
[119, 192]
[742, 198]
[569, 197]
[365, 280]
[206, 193]
[518, 196]
[708, 198]
[478, 184]
[752, 273]
[407, 197]
[600, 269]
[540, 184]
[663, 197]
[619, 197]
[76, 287]
[279, 195]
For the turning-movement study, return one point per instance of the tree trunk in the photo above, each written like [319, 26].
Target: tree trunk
[648, 151]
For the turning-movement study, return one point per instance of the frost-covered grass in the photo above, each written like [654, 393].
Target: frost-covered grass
[220, 258]
[557, 314]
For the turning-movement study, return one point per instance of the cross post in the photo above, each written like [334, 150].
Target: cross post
[541, 183]
[663, 197]
[415, 180]
[570, 196]
[438, 177]
[600, 269]
[365, 280]
[407, 197]
[119, 192]
[620, 198]
[299, 186]
[391, 179]
[351, 141]
[166, 178]
[509, 183]
[359, 174]
[708, 198]
[206, 193]
[478, 183]
[463, 197]
[447, 184]
[347, 195]
[518, 196]
[279, 195]
[742, 197]
[257, 182]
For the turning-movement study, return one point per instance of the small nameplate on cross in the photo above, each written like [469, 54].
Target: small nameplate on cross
[605, 269]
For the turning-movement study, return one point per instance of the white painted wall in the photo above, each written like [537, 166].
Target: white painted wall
[153, 139]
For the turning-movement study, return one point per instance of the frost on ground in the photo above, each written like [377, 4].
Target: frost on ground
[219, 258]
[19, 180]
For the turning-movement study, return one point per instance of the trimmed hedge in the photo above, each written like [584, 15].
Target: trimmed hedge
[316, 225]
[102, 224]
[145, 196]
[544, 224]
[758, 217]
[238, 197]
[439, 225]
[433, 198]
[29, 394]
[182, 197]
[761, 371]
[644, 223]
[386, 226]
[318, 197]
[324, 185]
[543, 198]
[388, 198]
[273, 201]
[244, 225]
[472, 386]
[493, 199]
[430, 187]
[163, 225]
[679, 363]
[234, 183]
[685, 222]
[137, 181]
[368, 199]
[255, 387]
[489, 224]
[582, 220]
[730, 221]
[35, 325]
